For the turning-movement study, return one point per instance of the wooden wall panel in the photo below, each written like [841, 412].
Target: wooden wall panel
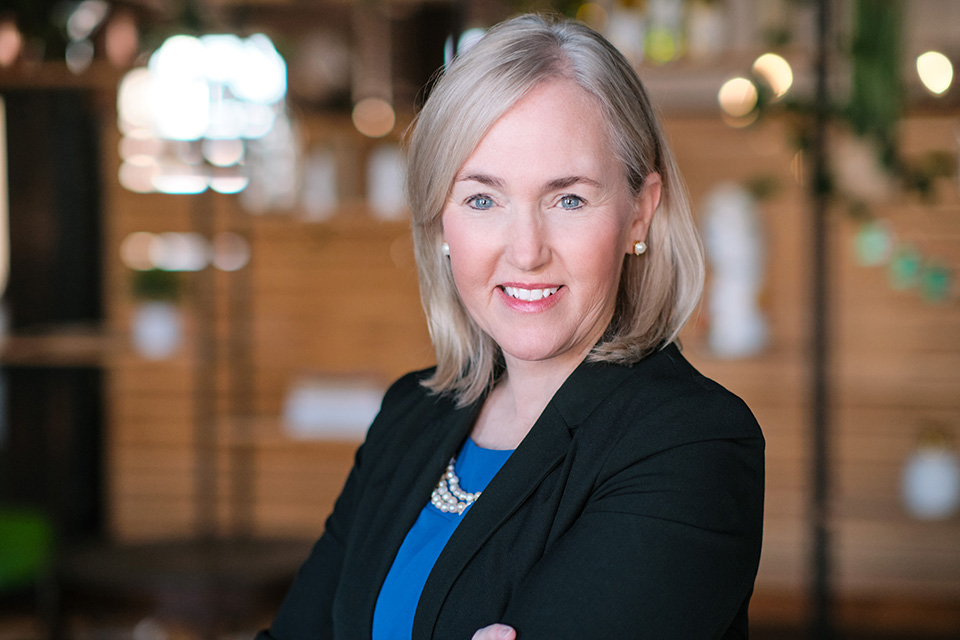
[340, 298]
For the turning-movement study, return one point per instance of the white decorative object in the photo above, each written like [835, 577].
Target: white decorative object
[385, 178]
[931, 479]
[735, 251]
[331, 408]
[157, 329]
[319, 190]
[856, 163]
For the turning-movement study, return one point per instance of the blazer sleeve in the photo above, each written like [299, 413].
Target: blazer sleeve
[306, 611]
[669, 542]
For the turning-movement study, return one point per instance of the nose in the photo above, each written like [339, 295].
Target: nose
[527, 245]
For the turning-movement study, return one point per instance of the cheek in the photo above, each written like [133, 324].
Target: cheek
[601, 259]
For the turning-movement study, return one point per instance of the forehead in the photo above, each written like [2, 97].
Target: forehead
[556, 126]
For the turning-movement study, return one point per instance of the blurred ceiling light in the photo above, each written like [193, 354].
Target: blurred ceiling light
[260, 74]
[936, 72]
[373, 117]
[138, 173]
[11, 42]
[775, 71]
[86, 18]
[134, 111]
[135, 250]
[737, 97]
[179, 178]
[223, 152]
[231, 251]
[210, 96]
[233, 182]
[140, 145]
[222, 51]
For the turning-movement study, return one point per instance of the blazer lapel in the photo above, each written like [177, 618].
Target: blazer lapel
[544, 447]
[417, 473]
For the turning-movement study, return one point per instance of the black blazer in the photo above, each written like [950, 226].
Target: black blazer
[632, 509]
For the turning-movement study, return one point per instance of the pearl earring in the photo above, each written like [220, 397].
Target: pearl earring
[445, 249]
[639, 247]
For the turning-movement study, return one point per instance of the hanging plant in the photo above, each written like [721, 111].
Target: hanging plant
[156, 284]
[869, 163]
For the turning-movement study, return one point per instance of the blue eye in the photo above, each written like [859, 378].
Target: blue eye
[571, 202]
[480, 202]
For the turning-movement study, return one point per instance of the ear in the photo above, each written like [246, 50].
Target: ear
[644, 206]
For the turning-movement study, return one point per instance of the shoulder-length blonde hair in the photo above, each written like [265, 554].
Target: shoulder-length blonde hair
[658, 290]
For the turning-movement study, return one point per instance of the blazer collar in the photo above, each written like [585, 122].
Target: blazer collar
[541, 450]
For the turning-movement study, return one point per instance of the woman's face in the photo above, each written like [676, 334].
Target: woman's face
[538, 222]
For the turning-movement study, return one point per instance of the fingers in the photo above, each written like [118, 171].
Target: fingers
[495, 632]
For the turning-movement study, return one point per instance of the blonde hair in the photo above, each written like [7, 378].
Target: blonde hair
[658, 291]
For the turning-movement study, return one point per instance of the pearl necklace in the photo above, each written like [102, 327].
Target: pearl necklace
[448, 496]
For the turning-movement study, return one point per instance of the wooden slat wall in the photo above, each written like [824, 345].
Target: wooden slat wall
[340, 298]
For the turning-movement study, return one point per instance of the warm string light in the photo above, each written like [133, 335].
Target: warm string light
[935, 71]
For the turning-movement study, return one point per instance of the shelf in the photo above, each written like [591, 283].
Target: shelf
[75, 345]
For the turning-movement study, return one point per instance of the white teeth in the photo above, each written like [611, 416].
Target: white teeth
[529, 294]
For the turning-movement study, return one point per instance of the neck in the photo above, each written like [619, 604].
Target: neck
[519, 398]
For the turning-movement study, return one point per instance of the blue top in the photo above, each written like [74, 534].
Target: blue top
[393, 616]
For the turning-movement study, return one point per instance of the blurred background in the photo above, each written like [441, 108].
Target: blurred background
[208, 282]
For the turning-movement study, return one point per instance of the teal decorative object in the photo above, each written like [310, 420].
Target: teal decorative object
[936, 282]
[905, 268]
[874, 243]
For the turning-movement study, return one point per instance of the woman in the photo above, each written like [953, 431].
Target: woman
[622, 492]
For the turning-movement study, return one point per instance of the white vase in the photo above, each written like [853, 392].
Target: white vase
[157, 329]
[931, 483]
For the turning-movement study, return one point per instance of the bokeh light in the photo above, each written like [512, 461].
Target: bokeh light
[135, 250]
[179, 252]
[936, 72]
[228, 180]
[231, 251]
[86, 18]
[11, 42]
[138, 173]
[775, 71]
[79, 55]
[133, 102]
[121, 38]
[174, 177]
[737, 97]
[373, 117]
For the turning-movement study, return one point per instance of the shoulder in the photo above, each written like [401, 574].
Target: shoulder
[663, 401]
[406, 400]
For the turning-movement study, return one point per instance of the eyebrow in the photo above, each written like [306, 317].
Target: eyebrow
[563, 183]
[482, 178]
[552, 185]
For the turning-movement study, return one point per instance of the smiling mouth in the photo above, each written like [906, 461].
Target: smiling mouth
[529, 294]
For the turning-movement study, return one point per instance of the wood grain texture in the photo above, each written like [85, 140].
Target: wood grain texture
[340, 298]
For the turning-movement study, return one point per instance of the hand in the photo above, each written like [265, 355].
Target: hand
[495, 632]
